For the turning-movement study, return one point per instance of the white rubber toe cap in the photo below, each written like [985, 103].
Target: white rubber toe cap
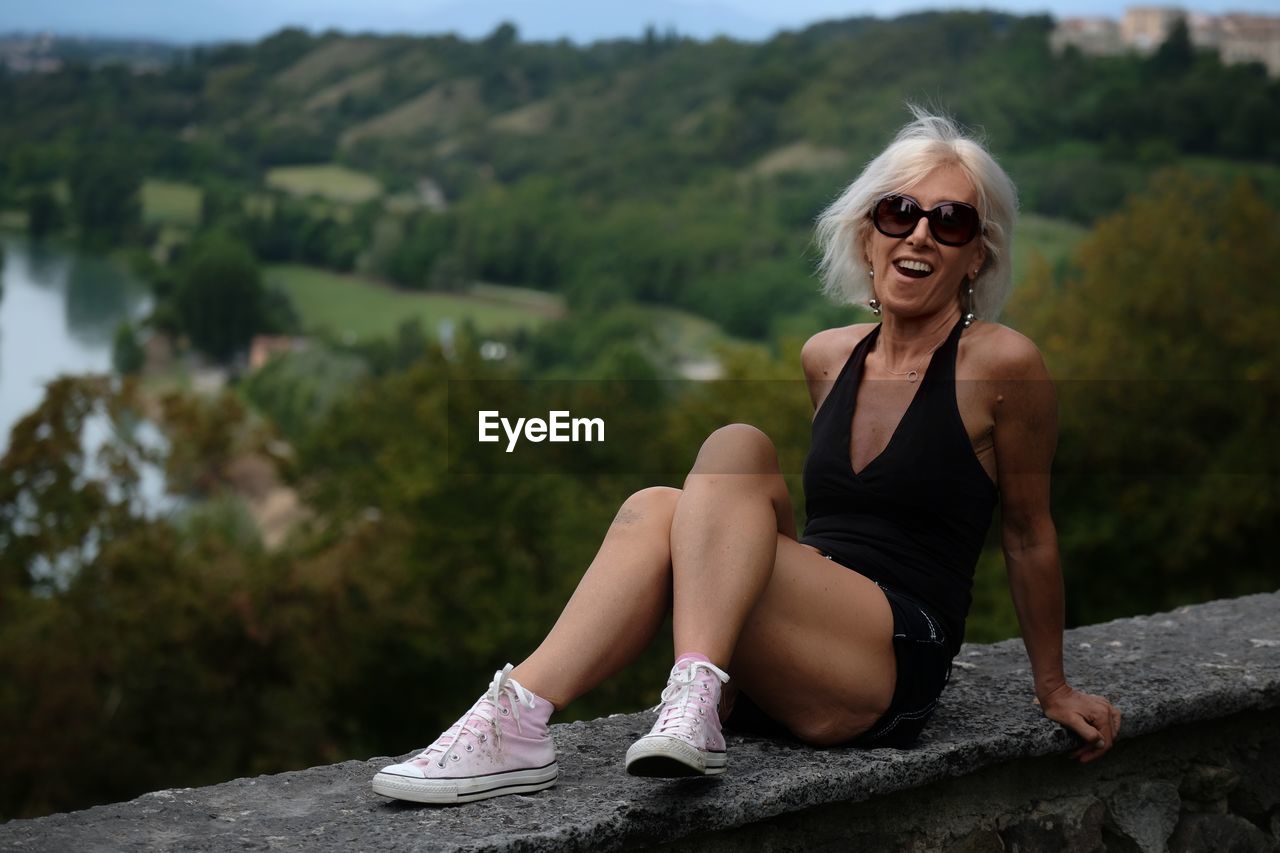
[411, 771]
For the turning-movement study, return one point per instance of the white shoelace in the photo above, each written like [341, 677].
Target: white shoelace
[685, 700]
[481, 720]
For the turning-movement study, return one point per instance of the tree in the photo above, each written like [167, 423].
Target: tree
[221, 204]
[220, 296]
[503, 37]
[124, 633]
[1167, 481]
[106, 195]
[1176, 54]
[298, 389]
[44, 214]
[52, 510]
[127, 355]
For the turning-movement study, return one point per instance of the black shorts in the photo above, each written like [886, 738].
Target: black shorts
[924, 668]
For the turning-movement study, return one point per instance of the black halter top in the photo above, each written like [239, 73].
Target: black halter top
[916, 517]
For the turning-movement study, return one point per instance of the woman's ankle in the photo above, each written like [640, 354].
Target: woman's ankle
[528, 678]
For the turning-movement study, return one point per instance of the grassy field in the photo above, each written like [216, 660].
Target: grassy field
[531, 118]
[799, 157]
[328, 61]
[535, 301]
[441, 107]
[688, 336]
[330, 181]
[356, 84]
[170, 203]
[352, 306]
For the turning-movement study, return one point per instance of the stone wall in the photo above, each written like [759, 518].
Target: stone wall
[1208, 786]
[1197, 768]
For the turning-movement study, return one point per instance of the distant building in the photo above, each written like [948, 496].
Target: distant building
[29, 54]
[1144, 28]
[1236, 37]
[1096, 36]
[1252, 38]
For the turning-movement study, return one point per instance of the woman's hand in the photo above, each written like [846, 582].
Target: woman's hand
[1095, 720]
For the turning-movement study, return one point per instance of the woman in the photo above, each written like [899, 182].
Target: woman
[844, 636]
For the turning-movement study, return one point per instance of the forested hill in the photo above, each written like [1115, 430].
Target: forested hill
[646, 116]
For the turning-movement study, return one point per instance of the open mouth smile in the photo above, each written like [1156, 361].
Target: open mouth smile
[913, 268]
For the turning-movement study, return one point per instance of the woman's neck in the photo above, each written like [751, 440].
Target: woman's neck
[904, 342]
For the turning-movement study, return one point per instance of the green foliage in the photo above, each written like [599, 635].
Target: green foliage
[619, 343]
[1176, 53]
[221, 205]
[514, 235]
[220, 297]
[105, 184]
[1163, 336]
[629, 171]
[51, 520]
[298, 389]
[425, 257]
[127, 355]
[288, 229]
[208, 437]
[44, 214]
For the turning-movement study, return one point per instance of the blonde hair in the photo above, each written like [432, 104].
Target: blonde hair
[920, 147]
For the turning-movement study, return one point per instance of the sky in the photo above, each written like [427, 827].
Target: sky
[580, 20]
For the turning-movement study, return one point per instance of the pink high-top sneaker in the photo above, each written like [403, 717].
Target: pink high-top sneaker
[686, 739]
[501, 746]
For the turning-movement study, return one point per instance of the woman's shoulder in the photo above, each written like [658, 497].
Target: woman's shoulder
[826, 352]
[996, 351]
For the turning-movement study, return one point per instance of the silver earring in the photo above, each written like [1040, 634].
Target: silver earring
[969, 316]
[874, 305]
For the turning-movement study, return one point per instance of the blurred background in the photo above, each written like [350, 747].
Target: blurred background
[246, 247]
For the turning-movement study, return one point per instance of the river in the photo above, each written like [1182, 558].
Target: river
[59, 310]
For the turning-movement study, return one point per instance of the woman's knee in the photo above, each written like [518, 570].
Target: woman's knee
[656, 504]
[737, 449]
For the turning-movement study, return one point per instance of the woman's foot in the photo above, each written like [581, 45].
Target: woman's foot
[501, 746]
[686, 739]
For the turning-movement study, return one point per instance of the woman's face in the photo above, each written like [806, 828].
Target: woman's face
[935, 287]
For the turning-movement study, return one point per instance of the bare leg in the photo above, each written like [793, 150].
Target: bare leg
[810, 641]
[724, 537]
[619, 604]
[816, 652]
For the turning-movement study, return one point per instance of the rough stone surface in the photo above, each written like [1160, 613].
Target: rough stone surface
[992, 807]
[1207, 787]
[1183, 669]
[979, 841]
[1144, 813]
[1220, 833]
[1071, 825]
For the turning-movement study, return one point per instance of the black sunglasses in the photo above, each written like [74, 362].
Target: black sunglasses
[952, 223]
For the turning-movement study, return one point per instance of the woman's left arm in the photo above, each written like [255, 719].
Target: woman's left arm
[1026, 434]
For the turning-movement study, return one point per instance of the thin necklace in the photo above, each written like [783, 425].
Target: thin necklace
[913, 375]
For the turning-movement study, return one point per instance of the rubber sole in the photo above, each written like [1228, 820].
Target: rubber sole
[665, 757]
[465, 790]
